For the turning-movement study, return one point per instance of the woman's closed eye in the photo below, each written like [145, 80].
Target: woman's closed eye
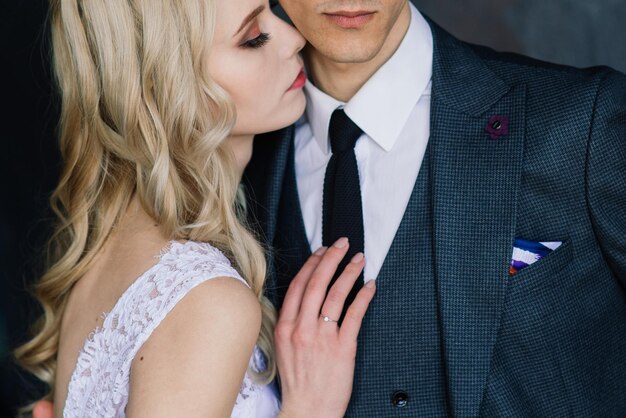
[254, 37]
[256, 42]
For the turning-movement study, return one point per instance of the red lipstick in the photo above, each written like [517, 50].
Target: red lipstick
[299, 82]
[350, 20]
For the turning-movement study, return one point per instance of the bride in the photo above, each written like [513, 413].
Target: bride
[153, 302]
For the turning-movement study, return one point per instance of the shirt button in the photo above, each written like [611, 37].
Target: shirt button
[400, 399]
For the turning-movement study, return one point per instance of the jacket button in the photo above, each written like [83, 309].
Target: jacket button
[400, 399]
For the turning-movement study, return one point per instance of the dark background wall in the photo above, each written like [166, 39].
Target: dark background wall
[575, 32]
[28, 161]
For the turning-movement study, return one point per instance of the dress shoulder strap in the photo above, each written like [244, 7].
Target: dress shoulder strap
[101, 378]
[181, 268]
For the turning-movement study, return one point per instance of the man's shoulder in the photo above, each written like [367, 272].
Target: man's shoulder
[547, 77]
[472, 77]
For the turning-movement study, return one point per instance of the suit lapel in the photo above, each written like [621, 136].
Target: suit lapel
[474, 189]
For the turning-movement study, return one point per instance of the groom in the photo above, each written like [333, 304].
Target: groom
[491, 206]
[488, 193]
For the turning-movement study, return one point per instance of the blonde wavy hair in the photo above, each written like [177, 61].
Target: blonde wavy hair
[140, 116]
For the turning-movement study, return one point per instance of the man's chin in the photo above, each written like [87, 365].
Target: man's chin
[352, 57]
[349, 51]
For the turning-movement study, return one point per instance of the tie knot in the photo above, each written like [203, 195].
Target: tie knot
[343, 132]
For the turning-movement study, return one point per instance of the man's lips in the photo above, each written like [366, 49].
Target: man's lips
[350, 20]
[349, 14]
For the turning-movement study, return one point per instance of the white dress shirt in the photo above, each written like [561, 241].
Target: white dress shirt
[393, 110]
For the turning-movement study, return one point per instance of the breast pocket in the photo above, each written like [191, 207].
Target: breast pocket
[544, 272]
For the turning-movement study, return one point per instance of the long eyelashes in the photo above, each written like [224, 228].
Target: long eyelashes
[257, 42]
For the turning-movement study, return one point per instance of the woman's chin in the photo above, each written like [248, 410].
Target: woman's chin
[292, 112]
[290, 117]
[282, 116]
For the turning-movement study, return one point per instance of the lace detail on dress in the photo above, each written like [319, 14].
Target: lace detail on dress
[100, 382]
[255, 400]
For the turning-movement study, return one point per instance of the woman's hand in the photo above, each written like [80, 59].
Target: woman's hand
[316, 357]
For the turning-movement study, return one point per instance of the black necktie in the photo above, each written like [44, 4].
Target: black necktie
[342, 213]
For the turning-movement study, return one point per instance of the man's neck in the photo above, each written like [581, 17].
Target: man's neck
[343, 80]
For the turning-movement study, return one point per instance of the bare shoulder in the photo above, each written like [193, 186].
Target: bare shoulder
[220, 307]
[194, 362]
[213, 303]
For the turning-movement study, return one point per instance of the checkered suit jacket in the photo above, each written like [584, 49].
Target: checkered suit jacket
[551, 340]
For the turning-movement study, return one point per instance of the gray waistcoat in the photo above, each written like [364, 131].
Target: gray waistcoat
[399, 369]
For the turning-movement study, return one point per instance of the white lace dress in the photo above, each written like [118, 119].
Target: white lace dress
[100, 382]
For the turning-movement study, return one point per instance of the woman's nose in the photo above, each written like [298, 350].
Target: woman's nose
[292, 37]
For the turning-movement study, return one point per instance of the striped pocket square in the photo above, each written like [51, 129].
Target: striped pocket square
[526, 253]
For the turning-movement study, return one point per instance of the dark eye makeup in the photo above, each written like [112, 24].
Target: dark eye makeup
[254, 37]
[257, 42]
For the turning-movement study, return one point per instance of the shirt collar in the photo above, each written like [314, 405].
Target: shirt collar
[381, 108]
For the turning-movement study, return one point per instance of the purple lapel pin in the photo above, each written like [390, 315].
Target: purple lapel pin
[498, 126]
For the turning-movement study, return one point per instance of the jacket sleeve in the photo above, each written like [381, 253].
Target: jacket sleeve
[606, 172]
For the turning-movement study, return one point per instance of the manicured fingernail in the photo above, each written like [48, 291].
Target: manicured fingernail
[370, 283]
[320, 251]
[341, 242]
[357, 258]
